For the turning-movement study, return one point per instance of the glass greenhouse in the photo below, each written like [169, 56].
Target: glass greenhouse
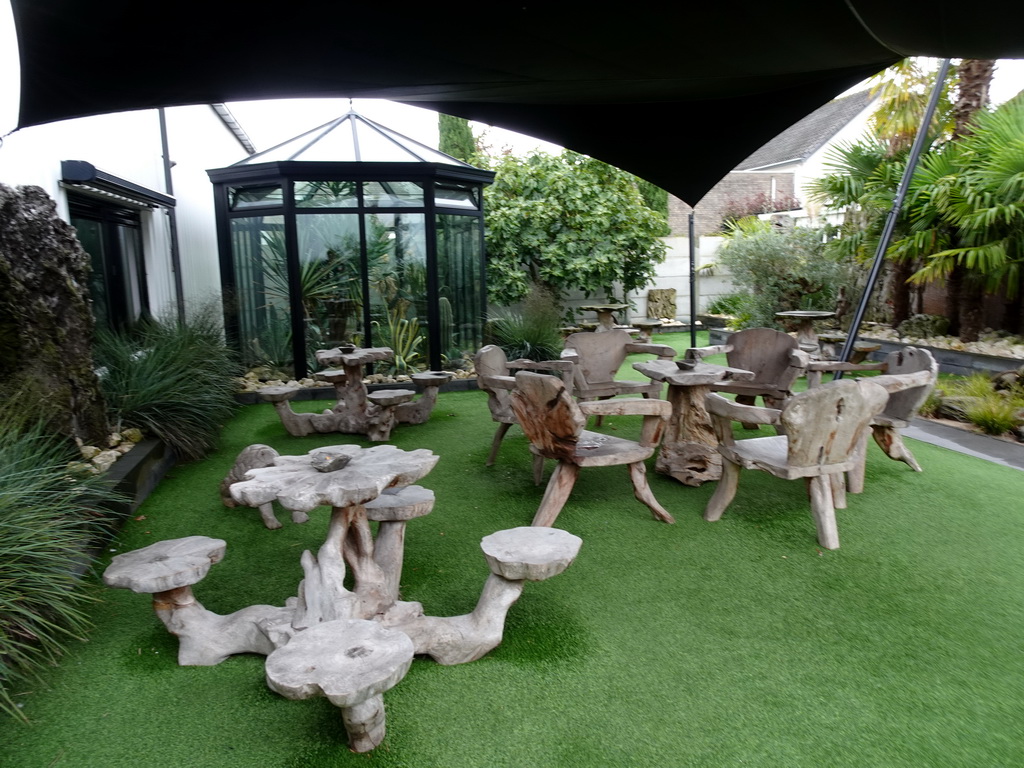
[352, 234]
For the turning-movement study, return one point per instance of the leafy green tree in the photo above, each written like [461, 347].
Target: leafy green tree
[567, 222]
[455, 138]
[654, 197]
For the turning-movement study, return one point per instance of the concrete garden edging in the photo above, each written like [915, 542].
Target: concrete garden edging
[950, 360]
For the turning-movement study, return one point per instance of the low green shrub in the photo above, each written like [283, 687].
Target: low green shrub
[49, 519]
[170, 379]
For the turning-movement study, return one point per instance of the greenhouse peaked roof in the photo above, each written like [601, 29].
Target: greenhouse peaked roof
[351, 138]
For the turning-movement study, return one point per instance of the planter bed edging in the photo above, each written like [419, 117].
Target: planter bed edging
[951, 361]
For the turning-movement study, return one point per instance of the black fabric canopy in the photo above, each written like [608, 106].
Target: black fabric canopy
[676, 93]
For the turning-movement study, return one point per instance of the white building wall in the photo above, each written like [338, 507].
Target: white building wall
[198, 141]
[674, 272]
[128, 145]
[814, 167]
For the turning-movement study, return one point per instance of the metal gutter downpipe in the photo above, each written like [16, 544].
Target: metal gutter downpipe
[172, 219]
[693, 283]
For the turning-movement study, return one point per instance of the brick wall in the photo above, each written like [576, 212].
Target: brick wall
[734, 187]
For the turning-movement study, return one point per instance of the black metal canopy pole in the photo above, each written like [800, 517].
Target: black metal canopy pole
[894, 212]
[693, 284]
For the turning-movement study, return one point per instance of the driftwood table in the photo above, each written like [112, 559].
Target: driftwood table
[605, 314]
[689, 449]
[357, 411]
[347, 643]
[805, 333]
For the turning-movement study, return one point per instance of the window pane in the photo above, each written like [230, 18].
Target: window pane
[242, 198]
[326, 194]
[261, 292]
[392, 194]
[332, 287]
[448, 195]
[133, 269]
[90, 235]
[460, 288]
[397, 268]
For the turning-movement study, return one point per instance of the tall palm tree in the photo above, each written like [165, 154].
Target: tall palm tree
[967, 211]
[903, 91]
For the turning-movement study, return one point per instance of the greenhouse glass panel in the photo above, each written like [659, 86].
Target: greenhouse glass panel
[326, 194]
[393, 194]
[260, 296]
[460, 288]
[396, 264]
[243, 198]
[330, 270]
[447, 195]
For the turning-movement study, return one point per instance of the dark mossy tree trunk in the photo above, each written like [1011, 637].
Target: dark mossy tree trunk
[974, 78]
[900, 290]
[972, 313]
[46, 323]
[954, 284]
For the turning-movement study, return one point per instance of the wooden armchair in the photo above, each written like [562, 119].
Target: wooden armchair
[554, 422]
[775, 358]
[494, 376]
[823, 429]
[909, 376]
[597, 358]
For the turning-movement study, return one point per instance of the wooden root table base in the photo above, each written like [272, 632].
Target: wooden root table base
[689, 449]
[346, 635]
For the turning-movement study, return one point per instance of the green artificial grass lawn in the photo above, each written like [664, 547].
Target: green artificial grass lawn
[739, 642]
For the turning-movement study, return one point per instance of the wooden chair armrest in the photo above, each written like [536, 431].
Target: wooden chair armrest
[565, 368]
[540, 365]
[835, 365]
[626, 406]
[699, 353]
[799, 359]
[898, 382]
[654, 412]
[817, 367]
[496, 382]
[748, 414]
[663, 351]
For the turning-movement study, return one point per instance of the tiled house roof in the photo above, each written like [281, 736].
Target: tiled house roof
[807, 136]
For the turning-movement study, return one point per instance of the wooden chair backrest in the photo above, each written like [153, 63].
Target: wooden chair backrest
[823, 425]
[547, 414]
[904, 405]
[767, 353]
[492, 361]
[601, 354]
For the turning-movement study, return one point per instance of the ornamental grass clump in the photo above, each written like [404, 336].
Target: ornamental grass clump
[49, 520]
[532, 332]
[173, 380]
[974, 399]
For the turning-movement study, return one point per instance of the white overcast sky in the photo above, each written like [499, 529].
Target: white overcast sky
[271, 122]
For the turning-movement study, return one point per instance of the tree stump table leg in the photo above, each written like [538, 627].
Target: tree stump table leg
[689, 450]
